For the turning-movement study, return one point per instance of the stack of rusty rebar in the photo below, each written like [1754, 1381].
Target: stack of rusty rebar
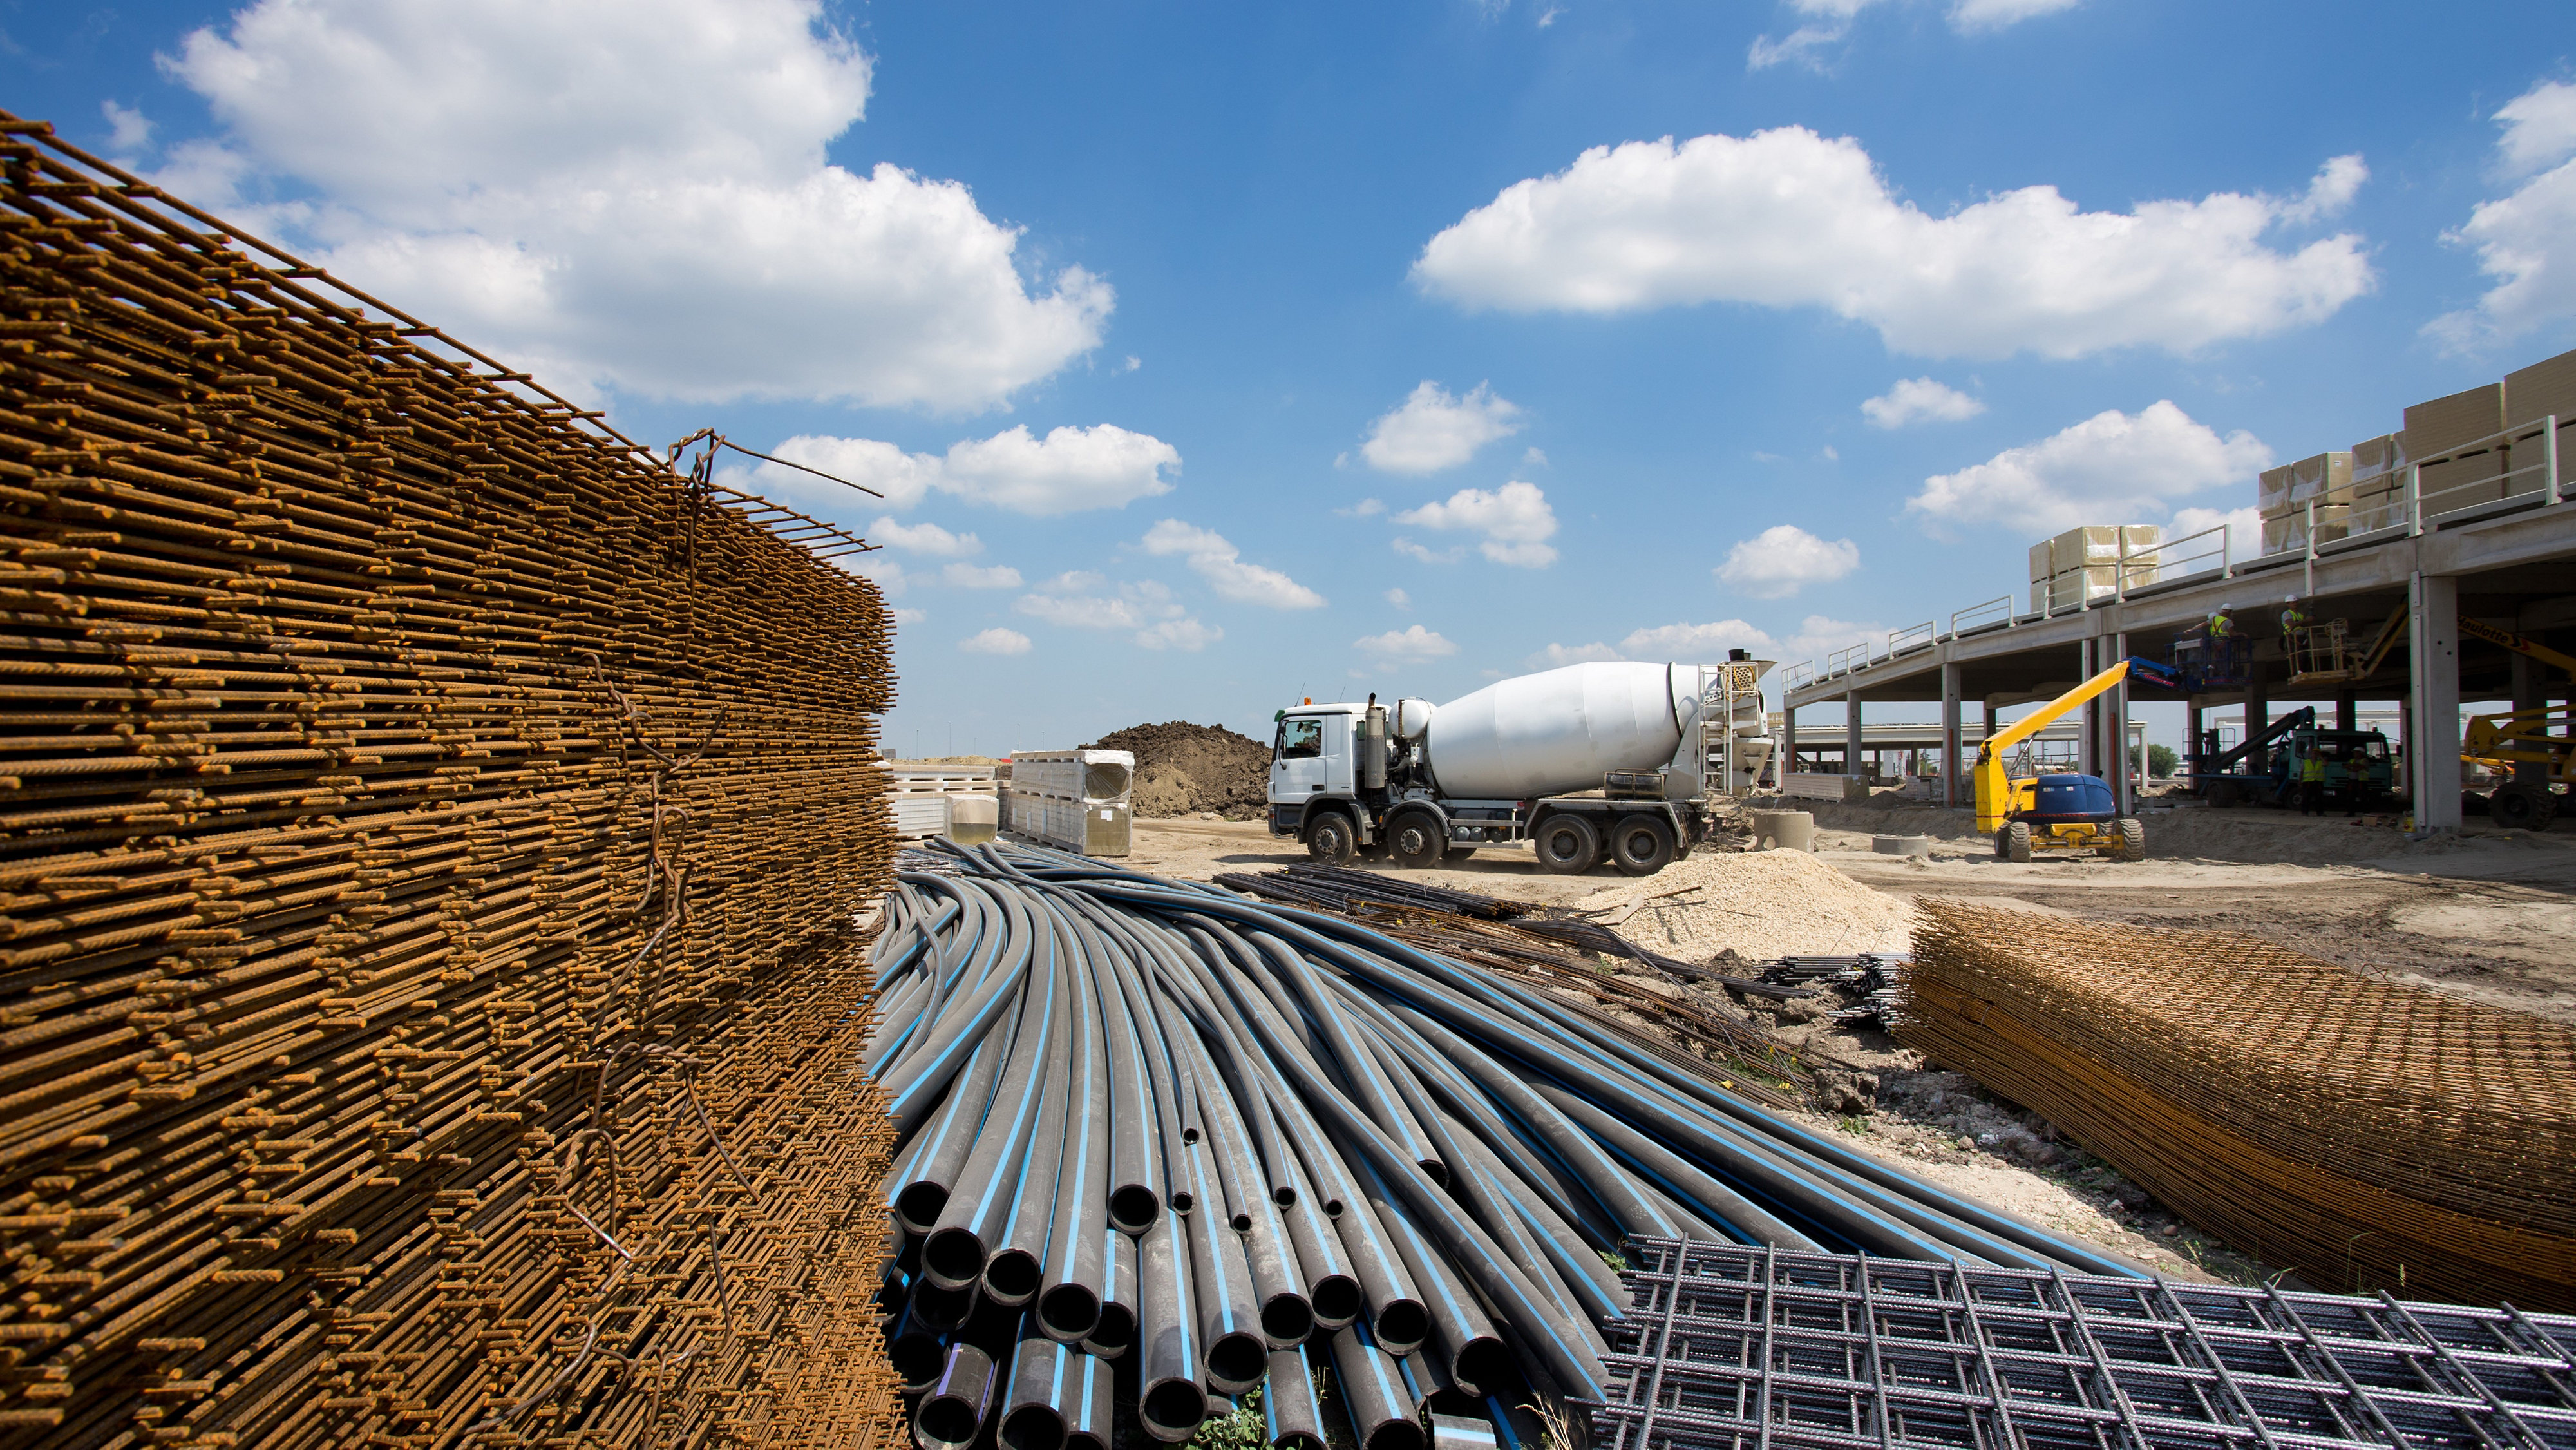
[2373, 1135]
[430, 832]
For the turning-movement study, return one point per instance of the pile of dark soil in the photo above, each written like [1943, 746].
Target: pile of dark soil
[1183, 769]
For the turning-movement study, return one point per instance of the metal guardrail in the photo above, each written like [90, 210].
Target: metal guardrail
[1729, 1347]
[1915, 637]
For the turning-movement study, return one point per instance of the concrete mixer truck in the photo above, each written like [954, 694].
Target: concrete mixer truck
[1615, 761]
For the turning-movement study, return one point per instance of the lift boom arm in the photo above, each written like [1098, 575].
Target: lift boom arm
[1994, 789]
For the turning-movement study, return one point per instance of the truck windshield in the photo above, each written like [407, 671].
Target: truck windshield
[1300, 739]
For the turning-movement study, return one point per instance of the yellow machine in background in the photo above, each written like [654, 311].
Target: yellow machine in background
[2067, 814]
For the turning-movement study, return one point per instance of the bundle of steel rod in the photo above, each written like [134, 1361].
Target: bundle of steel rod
[1164, 1141]
[1732, 1348]
[428, 828]
[2371, 1134]
[1337, 888]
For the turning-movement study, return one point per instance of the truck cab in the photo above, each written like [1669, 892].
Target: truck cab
[1312, 760]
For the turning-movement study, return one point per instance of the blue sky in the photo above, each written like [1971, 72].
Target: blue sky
[1211, 357]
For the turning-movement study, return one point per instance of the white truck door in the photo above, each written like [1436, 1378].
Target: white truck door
[1310, 753]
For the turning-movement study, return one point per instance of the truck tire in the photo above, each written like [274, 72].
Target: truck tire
[1567, 845]
[2518, 805]
[2133, 839]
[2017, 841]
[1416, 841]
[1333, 840]
[2222, 794]
[2003, 844]
[1641, 845]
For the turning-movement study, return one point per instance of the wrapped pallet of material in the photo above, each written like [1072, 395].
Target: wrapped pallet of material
[2272, 492]
[2089, 563]
[2445, 425]
[919, 792]
[972, 819]
[2325, 478]
[2288, 534]
[2379, 464]
[2533, 396]
[1076, 799]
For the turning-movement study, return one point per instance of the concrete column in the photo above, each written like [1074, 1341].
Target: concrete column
[1788, 742]
[2125, 788]
[1851, 733]
[2347, 712]
[2195, 719]
[2088, 718]
[1950, 736]
[2434, 671]
[2528, 695]
[2258, 704]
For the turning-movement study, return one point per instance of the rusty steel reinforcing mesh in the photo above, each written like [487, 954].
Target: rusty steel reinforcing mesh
[2370, 1134]
[430, 832]
[1730, 1348]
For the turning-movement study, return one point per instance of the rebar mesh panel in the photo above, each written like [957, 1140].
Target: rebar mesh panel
[2371, 1134]
[1729, 1347]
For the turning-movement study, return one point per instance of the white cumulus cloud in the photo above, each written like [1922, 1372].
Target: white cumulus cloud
[911, 616]
[1828, 22]
[1515, 520]
[1686, 643]
[1919, 400]
[2244, 535]
[1216, 560]
[1433, 430]
[627, 194]
[924, 539]
[1180, 634]
[2525, 241]
[1411, 645]
[128, 129]
[1783, 559]
[1788, 218]
[981, 576]
[2112, 468]
[1967, 16]
[1067, 471]
[995, 641]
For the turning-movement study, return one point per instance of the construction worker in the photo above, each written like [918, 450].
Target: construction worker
[2293, 619]
[2220, 625]
[2312, 783]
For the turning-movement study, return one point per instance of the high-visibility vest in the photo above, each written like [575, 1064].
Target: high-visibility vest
[2314, 768]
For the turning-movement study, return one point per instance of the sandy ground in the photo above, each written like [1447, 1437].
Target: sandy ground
[2489, 915]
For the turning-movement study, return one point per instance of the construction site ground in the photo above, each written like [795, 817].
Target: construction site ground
[2489, 915]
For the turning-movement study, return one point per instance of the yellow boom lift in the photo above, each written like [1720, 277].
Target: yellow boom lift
[2060, 815]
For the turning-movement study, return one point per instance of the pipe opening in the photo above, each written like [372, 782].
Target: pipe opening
[1183, 1200]
[1285, 1195]
[942, 1309]
[1033, 1427]
[1236, 1362]
[1400, 1327]
[1395, 1435]
[1085, 1440]
[917, 1207]
[1433, 1169]
[1172, 1409]
[950, 1420]
[1069, 1312]
[1336, 1300]
[1133, 1208]
[1241, 1223]
[1287, 1319]
[917, 1355]
[1482, 1366]
[1332, 1208]
[1012, 1276]
[1116, 1331]
[953, 1258]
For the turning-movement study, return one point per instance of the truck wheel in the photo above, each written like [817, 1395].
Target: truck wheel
[2017, 841]
[2003, 844]
[1334, 840]
[1568, 846]
[2520, 806]
[2222, 794]
[1641, 845]
[1416, 840]
[2133, 839]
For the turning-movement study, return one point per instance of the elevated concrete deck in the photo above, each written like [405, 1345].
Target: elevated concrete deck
[2511, 566]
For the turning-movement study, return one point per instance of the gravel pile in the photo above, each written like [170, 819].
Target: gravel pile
[1760, 905]
[1183, 769]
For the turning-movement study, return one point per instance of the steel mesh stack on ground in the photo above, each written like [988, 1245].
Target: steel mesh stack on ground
[429, 830]
[1167, 1143]
[1729, 1348]
[2371, 1134]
